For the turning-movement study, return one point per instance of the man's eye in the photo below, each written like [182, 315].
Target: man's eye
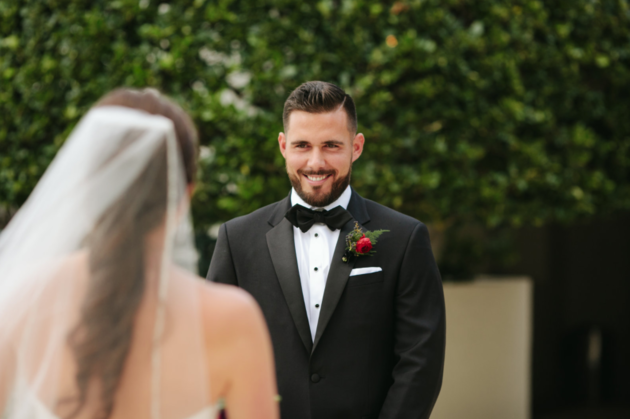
[302, 145]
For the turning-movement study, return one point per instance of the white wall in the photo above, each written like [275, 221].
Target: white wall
[488, 350]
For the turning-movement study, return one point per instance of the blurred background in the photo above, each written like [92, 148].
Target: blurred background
[503, 125]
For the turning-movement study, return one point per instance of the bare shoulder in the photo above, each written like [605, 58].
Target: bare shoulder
[45, 279]
[240, 356]
[228, 311]
[228, 300]
[59, 268]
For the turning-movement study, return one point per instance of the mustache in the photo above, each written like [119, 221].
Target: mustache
[316, 172]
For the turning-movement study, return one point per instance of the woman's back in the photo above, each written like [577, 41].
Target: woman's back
[223, 321]
[98, 319]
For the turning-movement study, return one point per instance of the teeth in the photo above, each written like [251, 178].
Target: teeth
[316, 178]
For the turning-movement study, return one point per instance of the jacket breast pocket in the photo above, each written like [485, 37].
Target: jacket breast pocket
[366, 279]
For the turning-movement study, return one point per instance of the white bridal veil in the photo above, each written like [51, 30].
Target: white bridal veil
[99, 313]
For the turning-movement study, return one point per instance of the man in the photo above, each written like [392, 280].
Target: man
[355, 335]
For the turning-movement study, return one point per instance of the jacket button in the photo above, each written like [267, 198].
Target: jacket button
[315, 378]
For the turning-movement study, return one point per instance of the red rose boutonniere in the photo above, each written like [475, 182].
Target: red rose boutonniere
[360, 243]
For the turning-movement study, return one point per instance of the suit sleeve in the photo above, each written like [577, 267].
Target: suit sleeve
[420, 333]
[222, 265]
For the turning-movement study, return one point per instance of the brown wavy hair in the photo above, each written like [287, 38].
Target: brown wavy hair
[102, 339]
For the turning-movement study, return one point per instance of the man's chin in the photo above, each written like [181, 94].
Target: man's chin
[316, 191]
[320, 195]
[316, 197]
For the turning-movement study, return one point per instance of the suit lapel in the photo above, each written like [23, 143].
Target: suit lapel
[282, 250]
[339, 270]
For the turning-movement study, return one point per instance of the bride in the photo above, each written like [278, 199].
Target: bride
[100, 315]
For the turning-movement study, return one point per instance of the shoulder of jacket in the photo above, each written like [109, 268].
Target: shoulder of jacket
[261, 215]
[381, 212]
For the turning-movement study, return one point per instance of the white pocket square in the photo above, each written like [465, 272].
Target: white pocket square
[363, 271]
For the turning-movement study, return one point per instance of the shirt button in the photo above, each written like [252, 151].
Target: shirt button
[316, 268]
[315, 378]
[316, 305]
[316, 235]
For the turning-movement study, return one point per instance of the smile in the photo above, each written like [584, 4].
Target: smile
[316, 178]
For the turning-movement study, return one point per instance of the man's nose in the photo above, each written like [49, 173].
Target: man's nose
[316, 160]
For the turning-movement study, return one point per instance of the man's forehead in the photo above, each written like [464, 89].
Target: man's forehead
[323, 140]
[307, 122]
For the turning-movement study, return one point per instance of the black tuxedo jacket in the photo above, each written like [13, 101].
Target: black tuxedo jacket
[379, 345]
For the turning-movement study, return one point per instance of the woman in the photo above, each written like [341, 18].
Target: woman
[99, 318]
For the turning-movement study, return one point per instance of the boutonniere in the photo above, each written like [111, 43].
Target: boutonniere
[360, 243]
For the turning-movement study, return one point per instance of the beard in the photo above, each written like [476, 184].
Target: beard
[338, 187]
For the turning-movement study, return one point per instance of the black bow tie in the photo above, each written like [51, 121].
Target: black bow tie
[304, 218]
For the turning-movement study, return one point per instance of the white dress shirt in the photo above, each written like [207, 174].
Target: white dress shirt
[314, 250]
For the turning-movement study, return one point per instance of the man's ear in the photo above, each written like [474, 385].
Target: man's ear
[357, 146]
[282, 142]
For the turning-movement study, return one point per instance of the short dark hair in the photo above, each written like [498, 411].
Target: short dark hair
[319, 97]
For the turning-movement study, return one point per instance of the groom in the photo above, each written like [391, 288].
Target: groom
[355, 335]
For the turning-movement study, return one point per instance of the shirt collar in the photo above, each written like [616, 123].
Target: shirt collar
[342, 201]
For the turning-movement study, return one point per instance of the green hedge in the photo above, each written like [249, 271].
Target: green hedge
[500, 112]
